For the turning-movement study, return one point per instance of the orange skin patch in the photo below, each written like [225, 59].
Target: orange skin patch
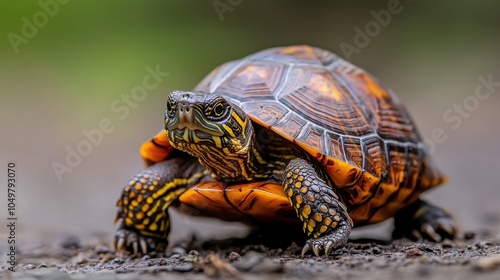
[157, 149]
[254, 203]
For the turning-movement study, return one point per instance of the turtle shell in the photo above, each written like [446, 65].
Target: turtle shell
[359, 131]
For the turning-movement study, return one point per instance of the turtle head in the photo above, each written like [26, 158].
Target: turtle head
[200, 123]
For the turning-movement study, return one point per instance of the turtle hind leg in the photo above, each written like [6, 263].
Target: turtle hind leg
[143, 206]
[324, 217]
[422, 220]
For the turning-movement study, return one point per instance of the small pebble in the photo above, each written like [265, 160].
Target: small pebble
[483, 245]
[248, 261]
[175, 256]
[80, 258]
[233, 256]
[376, 250]
[281, 260]
[102, 249]
[256, 263]
[469, 235]
[414, 252]
[29, 266]
[179, 250]
[118, 260]
[145, 257]
[447, 243]
[71, 241]
[488, 263]
[183, 268]
[428, 249]
[193, 253]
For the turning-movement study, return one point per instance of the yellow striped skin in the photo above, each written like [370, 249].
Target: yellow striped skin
[224, 141]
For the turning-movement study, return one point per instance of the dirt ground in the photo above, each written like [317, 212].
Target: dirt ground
[474, 255]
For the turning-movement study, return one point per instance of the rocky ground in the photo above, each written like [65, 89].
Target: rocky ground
[475, 255]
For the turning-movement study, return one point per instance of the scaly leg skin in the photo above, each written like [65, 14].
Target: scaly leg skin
[324, 217]
[422, 220]
[143, 205]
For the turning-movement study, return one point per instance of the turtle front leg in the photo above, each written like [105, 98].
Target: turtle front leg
[324, 217]
[143, 205]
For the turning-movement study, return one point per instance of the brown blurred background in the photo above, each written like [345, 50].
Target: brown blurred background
[84, 55]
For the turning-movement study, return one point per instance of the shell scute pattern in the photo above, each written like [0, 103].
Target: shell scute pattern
[360, 132]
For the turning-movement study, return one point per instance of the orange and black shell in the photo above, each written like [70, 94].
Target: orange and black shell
[359, 131]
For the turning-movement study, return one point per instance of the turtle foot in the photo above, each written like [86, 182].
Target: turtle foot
[131, 240]
[328, 243]
[422, 220]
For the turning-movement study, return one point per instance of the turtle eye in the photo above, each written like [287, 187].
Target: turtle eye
[171, 107]
[217, 111]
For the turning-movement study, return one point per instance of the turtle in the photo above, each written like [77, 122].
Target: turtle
[287, 135]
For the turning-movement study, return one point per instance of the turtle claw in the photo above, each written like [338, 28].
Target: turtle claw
[136, 248]
[119, 242]
[323, 244]
[144, 246]
[328, 247]
[313, 245]
[316, 248]
[447, 227]
[130, 240]
[415, 234]
[430, 233]
[306, 249]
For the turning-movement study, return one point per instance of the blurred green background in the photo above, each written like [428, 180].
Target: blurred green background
[65, 77]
